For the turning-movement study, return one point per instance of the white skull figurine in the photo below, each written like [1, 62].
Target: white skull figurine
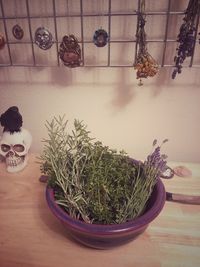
[14, 148]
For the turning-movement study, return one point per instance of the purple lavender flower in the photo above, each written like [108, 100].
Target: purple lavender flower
[187, 36]
[156, 162]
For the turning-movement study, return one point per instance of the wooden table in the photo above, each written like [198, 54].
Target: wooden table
[30, 236]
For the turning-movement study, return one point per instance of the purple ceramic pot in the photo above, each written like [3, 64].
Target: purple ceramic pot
[107, 236]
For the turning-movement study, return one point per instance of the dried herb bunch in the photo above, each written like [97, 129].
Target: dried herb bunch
[187, 36]
[145, 64]
[93, 182]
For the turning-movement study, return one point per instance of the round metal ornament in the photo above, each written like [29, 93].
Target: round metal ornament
[2, 41]
[43, 38]
[18, 32]
[100, 38]
[70, 51]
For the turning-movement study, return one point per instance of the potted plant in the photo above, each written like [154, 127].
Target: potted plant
[104, 198]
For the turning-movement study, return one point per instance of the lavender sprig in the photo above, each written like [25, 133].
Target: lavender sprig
[148, 174]
[156, 163]
[187, 36]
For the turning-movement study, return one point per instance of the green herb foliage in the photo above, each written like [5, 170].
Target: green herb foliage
[93, 182]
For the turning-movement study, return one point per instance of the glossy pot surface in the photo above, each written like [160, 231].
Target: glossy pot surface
[107, 236]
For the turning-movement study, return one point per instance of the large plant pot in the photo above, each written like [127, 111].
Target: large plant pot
[107, 236]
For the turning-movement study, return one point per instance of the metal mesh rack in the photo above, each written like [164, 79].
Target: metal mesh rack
[81, 17]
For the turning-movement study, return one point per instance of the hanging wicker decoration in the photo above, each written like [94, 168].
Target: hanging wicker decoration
[70, 51]
[18, 32]
[2, 41]
[145, 64]
[100, 38]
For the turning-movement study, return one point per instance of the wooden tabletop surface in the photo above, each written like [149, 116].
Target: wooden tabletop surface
[30, 236]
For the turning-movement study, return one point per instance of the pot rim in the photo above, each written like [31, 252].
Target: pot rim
[135, 224]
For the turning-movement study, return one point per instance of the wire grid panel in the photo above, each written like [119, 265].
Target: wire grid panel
[82, 18]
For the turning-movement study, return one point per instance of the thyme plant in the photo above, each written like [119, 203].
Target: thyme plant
[93, 182]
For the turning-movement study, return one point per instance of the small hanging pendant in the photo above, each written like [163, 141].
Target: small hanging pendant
[140, 82]
[100, 38]
[70, 51]
[43, 38]
[18, 32]
[2, 41]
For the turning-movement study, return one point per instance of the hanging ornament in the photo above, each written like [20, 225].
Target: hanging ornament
[100, 38]
[187, 35]
[145, 64]
[2, 41]
[18, 32]
[43, 38]
[70, 51]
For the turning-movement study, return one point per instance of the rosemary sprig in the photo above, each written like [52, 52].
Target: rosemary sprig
[93, 182]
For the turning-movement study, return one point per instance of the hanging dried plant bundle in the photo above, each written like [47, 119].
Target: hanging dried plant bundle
[187, 35]
[145, 64]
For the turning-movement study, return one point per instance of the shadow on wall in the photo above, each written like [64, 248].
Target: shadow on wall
[61, 77]
[37, 76]
[162, 79]
[178, 5]
[124, 88]
[124, 92]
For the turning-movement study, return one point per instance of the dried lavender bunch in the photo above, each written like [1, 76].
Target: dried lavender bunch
[156, 162]
[94, 183]
[187, 35]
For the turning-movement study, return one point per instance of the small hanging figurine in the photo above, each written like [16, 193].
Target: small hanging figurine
[70, 51]
[43, 38]
[145, 64]
[2, 41]
[18, 32]
[100, 38]
[15, 141]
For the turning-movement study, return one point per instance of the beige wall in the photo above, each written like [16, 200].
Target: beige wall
[116, 110]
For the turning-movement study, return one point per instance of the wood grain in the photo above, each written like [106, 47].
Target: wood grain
[30, 236]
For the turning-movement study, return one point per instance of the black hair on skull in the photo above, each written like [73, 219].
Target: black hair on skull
[11, 120]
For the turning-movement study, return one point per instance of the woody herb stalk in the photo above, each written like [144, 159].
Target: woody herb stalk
[92, 182]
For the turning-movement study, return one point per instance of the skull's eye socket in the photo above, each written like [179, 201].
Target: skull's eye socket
[5, 148]
[18, 148]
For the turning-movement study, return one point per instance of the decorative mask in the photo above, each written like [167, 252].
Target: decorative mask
[43, 38]
[70, 51]
[14, 148]
[2, 41]
[18, 32]
[100, 38]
